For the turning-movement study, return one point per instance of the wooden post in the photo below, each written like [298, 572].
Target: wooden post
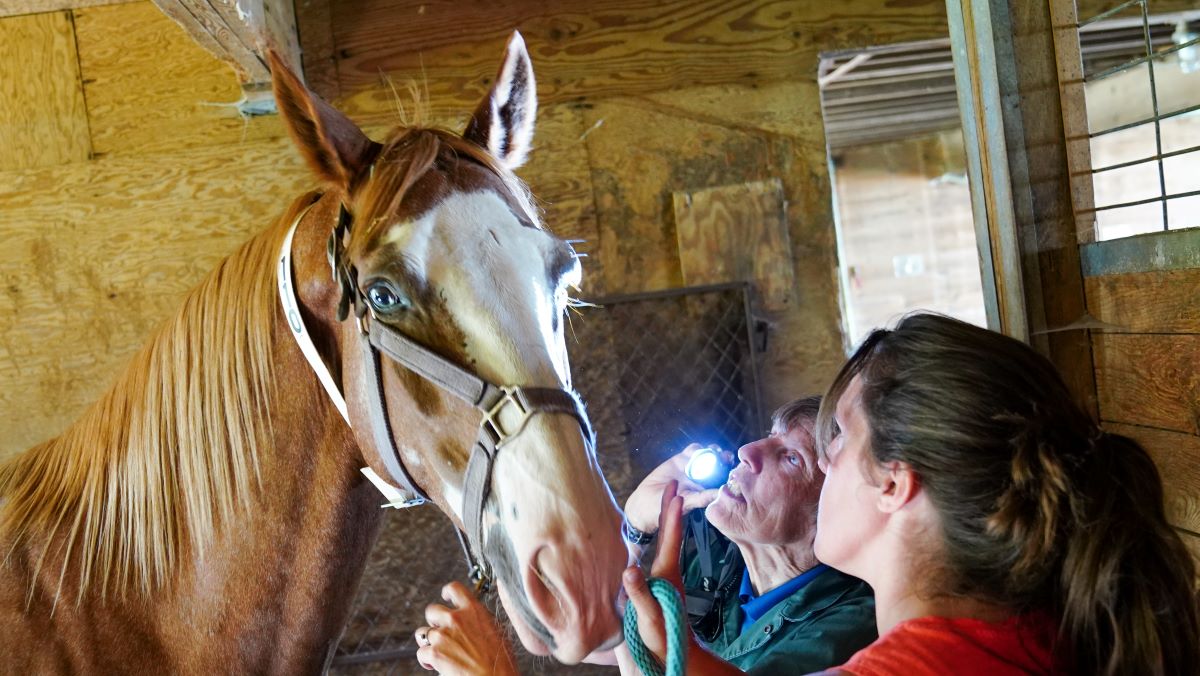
[239, 32]
[1008, 84]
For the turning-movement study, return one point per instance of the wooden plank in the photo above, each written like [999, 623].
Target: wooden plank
[1146, 302]
[737, 233]
[20, 7]
[1149, 380]
[1192, 542]
[1174, 250]
[1178, 459]
[43, 120]
[604, 48]
[105, 250]
[151, 89]
[239, 31]
[314, 25]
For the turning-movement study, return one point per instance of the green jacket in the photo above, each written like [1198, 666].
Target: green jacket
[819, 626]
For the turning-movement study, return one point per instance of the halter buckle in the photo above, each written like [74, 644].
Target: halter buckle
[490, 425]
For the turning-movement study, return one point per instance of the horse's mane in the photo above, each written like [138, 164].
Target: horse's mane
[153, 468]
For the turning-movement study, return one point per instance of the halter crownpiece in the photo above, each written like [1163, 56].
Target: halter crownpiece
[492, 400]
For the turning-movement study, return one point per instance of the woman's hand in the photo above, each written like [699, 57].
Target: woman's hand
[644, 504]
[462, 637]
[651, 627]
[666, 565]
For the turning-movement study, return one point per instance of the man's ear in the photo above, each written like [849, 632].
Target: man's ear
[334, 147]
[503, 121]
[898, 485]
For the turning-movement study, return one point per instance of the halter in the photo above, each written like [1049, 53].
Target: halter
[492, 400]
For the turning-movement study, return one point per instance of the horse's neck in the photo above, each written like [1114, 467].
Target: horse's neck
[271, 591]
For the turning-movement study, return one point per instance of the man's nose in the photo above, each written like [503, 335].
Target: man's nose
[752, 454]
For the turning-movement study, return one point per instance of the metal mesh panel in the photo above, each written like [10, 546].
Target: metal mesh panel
[657, 371]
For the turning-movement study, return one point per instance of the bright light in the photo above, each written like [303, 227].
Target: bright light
[703, 465]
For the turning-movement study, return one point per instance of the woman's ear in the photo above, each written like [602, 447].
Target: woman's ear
[334, 147]
[898, 485]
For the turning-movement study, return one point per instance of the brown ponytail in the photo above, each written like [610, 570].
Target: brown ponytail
[1040, 510]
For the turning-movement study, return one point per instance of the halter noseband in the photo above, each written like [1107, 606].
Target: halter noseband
[374, 337]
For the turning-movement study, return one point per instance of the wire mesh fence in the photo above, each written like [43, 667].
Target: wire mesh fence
[657, 371]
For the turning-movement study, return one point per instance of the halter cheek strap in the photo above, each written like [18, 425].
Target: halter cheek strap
[295, 322]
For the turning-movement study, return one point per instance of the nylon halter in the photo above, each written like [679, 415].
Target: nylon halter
[374, 337]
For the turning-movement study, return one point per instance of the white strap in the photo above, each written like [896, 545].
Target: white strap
[295, 321]
[291, 312]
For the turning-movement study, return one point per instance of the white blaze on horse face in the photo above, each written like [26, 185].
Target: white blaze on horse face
[548, 493]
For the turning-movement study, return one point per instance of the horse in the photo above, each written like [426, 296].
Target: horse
[208, 514]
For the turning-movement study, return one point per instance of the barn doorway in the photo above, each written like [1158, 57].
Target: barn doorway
[902, 208]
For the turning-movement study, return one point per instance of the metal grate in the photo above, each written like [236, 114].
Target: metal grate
[1118, 169]
[657, 371]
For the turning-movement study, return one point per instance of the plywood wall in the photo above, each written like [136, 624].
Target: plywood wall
[126, 174]
[1147, 380]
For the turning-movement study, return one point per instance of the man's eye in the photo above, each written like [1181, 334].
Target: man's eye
[793, 458]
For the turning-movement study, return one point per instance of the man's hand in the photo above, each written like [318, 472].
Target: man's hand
[462, 637]
[645, 503]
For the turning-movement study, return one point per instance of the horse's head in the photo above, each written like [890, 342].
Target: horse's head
[442, 247]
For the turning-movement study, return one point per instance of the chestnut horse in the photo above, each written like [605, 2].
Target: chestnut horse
[207, 514]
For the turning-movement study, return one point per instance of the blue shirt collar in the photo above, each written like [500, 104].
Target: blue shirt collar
[754, 607]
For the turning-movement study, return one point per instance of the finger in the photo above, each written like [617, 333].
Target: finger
[437, 615]
[729, 458]
[670, 540]
[421, 636]
[698, 499]
[427, 657]
[457, 595]
[649, 614]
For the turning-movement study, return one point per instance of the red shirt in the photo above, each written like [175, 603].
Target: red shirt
[941, 645]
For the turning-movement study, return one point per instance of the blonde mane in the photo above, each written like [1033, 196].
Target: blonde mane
[152, 470]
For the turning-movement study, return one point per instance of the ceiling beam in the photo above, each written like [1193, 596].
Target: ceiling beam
[239, 32]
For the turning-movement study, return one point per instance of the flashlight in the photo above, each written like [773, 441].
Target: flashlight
[707, 468]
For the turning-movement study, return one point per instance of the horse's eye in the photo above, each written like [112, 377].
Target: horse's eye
[385, 299]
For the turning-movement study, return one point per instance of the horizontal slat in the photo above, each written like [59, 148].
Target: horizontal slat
[1175, 250]
[1146, 302]
[1178, 458]
[1149, 380]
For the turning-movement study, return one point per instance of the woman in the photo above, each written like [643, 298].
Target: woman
[1001, 529]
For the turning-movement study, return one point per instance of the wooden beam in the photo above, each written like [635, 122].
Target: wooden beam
[239, 31]
[21, 7]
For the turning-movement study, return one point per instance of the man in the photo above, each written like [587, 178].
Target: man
[761, 600]
[767, 606]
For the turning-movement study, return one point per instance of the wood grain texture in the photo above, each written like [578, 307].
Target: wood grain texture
[20, 7]
[97, 253]
[736, 233]
[43, 120]
[1149, 380]
[609, 48]
[150, 88]
[1147, 302]
[314, 25]
[1178, 459]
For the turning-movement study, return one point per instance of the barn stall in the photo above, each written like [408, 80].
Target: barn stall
[686, 146]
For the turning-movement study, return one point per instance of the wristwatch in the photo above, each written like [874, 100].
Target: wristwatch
[634, 536]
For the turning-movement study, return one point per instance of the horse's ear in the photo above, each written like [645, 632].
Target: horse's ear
[503, 122]
[335, 148]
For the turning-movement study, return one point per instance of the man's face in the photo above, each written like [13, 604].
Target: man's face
[771, 497]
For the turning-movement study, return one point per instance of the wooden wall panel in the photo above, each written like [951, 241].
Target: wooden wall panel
[1147, 302]
[1149, 380]
[97, 253]
[736, 233]
[42, 116]
[1178, 458]
[150, 88]
[609, 48]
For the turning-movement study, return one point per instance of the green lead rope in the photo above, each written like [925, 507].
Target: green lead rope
[672, 607]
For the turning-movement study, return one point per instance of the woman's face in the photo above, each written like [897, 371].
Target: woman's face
[772, 493]
[848, 517]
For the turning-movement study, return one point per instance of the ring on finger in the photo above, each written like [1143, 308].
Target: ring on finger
[423, 637]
